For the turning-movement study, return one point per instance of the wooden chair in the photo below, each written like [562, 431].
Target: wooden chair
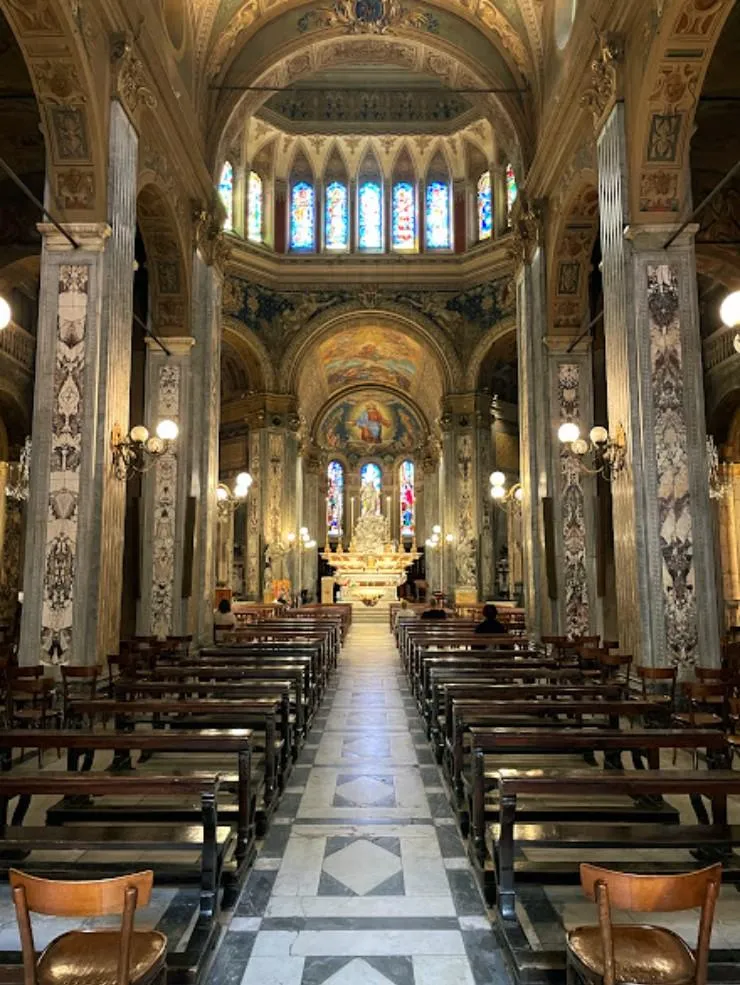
[706, 708]
[615, 668]
[77, 683]
[650, 955]
[102, 957]
[31, 704]
[660, 678]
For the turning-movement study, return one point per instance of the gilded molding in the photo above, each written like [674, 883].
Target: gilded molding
[600, 95]
[129, 77]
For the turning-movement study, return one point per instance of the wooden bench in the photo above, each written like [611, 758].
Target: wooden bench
[259, 655]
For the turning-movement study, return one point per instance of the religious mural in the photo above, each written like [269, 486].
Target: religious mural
[368, 421]
[385, 357]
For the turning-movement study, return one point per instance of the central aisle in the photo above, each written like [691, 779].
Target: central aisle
[362, 879]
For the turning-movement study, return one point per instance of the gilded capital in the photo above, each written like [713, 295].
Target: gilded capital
[600, 95]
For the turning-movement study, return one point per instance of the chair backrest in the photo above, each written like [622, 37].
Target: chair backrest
[17, 673]
[656, 675]
[82, 679]
[89, 898]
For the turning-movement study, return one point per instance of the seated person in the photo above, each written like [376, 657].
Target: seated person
[404, 612]
[224, 620]
[435, 610]
[491, 625]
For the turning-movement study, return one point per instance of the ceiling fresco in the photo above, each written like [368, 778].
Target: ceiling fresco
[371, 421]
[374, 355]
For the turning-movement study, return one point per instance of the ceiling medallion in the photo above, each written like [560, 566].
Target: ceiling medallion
[368, 17]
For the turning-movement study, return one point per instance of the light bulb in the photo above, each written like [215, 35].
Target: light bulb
[244, 479]
[598, 435]
[436, 529]
[736, 342]
[449, 538]
[428, 542]
[498, 479]
[221, 494]
[498, 492]
[579, 446]
[303, 531]
[167, 430]
[310, 544]
[154, 445]
[569, 431]
[291, 538]
[729, 310]
[519, 494]
[241, 491]
[5, 313]
[139, 434]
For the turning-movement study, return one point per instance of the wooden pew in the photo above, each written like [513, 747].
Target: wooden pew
[259, 654]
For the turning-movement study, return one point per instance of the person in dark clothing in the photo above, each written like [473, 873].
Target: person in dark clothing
[435, 611]
[491, 625]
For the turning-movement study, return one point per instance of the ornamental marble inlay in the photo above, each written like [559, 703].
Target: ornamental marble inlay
[674, 503]
[465, 555]
[66, 458]
[572, 511]
[165, 507]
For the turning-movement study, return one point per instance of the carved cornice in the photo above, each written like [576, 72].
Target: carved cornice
[209, 238]
[603, 90]
[130, 80]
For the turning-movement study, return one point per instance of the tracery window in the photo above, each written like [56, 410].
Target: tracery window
[485, 206]
[403, 216]
[370, 474]
[302, 217]
[407, 498]
[512, 190]
[370, 216]
[335, 498]
[226, 191]
[336, 217]
[255, 207]
[437, 216]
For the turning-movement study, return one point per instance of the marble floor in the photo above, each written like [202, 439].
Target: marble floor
[362, 879]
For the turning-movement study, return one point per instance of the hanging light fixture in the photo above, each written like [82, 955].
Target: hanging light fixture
[138, 451]
[229, 501]
[607, 452]
[505, 499]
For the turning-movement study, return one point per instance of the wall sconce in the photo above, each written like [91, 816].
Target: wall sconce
[229, 502]
[505, 499]
[729, 312]
[607, 453]
[138, 451]
[5, 313]
[305, 541]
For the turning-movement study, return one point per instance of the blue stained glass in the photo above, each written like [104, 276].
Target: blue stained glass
[336, 218]
[302, 217]
[437, 216]
[226, 191]
[408, 499]
[254, 208]
[404, 216]
[335, 498]
[371, 216]
[512, 189]
[485, 207]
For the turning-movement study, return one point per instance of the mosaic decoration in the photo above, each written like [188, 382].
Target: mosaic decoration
[485, 206]
[438, 235]
[382, 356]
[368, 17]
[404, 216]
[66, 462]
[336, 217]
[674, 502]
[302, 217]
[407, 498]
[335, 498]
[512, 190]
[577, 607]
[226, 191]
[371, 484]
[370, 212]
[165, 508]
[255, 207]
[365, 422]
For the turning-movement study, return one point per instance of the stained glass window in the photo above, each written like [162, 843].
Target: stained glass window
[226, 191]
[408, 499]
[336, 217]
[302, 217]
[255, 206]
[371, 473]
[512, 190]
[370, 216]
[485, 208]
[437, 216]
[335, 498]
[404, 216]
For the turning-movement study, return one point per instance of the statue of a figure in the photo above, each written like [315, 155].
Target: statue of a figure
[369, 499]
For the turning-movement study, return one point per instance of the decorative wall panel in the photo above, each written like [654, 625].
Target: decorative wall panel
[254, 506]
[466, 554]
[575, 578]
[671, 441]
[69, 396]
[165, 508]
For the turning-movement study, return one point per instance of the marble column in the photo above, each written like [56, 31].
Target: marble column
[535, 444]
[11, 546]
[203, 430]
[570, 382]
[163, 606]
[432, 515]
[728, 516]
[664, 549]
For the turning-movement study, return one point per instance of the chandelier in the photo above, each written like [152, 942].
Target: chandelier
[228, 501]
[138, 451]
[505, 499]
[606, 453]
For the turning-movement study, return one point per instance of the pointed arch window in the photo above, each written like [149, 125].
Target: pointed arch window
[404, 216]
[485, 206]
[255, 207]
[336, 216]
[437, 215]
[407, 498]
[226, 191]
[335, 498]
[512, 190]
[370, 215]
[302, 216]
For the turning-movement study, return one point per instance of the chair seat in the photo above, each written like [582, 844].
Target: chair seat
[643, 955]
[91, 958]
[699, 719]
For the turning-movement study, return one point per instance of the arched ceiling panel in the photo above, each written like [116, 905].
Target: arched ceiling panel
[371, 421]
